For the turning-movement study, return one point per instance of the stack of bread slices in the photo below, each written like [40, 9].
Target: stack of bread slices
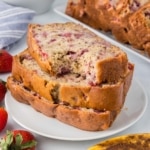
[69, 73]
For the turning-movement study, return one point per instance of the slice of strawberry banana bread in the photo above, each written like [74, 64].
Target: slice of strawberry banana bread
[71, 89]
[120, 21]
[79, 117]
[64, 48]
[140, 21]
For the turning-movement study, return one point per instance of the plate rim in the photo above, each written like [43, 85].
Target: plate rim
[97, 136]
[58, 9]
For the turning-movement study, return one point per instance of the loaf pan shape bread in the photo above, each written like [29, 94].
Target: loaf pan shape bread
[64, 48]
[82, 118]
[71, 89]
[128, 21]
[97, 13]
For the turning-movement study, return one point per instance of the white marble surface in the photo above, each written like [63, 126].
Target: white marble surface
[142, 74]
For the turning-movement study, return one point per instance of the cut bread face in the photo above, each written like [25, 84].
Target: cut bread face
[68, 48]
[79, 117]
[70, 89]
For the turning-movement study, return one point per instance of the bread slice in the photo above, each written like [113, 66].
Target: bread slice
[71, 89]
[64, 48]
[140, 21]
[120, 20]
[82, 118]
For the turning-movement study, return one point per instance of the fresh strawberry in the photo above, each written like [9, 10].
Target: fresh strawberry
[18, 140]
[3, 118]
[3, 89]
[5, 61]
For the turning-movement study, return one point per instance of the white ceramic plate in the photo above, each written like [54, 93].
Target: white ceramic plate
[105, 35]
[27, 117]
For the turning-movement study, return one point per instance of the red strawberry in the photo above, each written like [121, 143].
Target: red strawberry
[3, 89]
[3, 118]
[18, 140]
[5, 61]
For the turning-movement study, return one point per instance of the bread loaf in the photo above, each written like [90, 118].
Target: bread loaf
[69, 73]
[128, 21]
[70, 89]
[64, 48]
[82, 118]
[97, 13]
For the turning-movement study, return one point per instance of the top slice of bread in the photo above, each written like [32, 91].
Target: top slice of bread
[62, 48]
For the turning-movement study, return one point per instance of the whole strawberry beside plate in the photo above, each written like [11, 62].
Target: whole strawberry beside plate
[3, 89]
[5, 61]
[18, 140]
[3, 118]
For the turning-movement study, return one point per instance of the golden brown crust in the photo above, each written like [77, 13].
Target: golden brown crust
[105, 69]
[85, 119]
[102, 97]
[27, 96]
[33, 47]
[78, 117]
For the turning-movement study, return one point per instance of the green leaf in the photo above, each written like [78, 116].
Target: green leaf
[18, 139]
[3, 145]
[7, 141]
[9, 137]
[29, 144]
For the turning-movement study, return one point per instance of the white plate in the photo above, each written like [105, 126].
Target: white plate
[105, 35]
[27, 117]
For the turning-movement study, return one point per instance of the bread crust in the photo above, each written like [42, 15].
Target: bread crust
[108, 69]
[81, 118]
[100, 97]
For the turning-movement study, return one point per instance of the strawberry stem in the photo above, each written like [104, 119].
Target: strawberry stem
[15, 143]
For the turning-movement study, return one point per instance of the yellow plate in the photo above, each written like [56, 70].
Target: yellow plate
[139, 141]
